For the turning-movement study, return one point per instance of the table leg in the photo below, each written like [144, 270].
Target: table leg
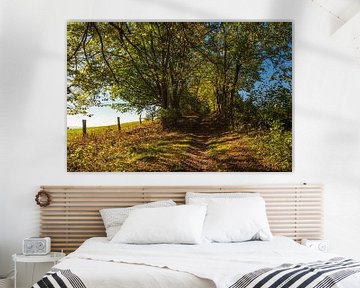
[15, 273]
[26, 272]
[32, 274]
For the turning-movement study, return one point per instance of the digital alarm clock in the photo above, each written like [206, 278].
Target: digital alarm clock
[36, 246]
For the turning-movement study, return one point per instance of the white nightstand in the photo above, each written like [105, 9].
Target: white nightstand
[320, 245]
[53, 257]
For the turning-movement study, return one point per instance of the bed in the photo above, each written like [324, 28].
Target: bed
[99, 263]
[294, 211]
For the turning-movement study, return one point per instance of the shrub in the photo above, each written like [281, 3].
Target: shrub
[275, 145]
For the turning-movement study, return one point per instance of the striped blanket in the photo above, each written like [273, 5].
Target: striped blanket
[320, 274]
[57, 278]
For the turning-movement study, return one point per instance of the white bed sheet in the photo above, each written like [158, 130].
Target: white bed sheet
[101, 274]
[110, 274]
[100, 263]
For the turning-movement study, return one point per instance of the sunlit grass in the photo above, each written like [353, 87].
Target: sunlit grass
[77, 132]
[147, 147]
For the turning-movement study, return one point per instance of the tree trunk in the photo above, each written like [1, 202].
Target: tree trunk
[232, 95]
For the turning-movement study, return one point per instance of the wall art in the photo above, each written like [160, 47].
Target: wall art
[179, 96]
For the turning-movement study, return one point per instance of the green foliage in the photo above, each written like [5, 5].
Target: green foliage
[169, 117]
[182, 69]
[275, 146]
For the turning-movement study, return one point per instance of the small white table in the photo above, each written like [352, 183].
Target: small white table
[53, 257]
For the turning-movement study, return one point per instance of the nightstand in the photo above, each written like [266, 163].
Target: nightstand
[53, 257]
[320, 245]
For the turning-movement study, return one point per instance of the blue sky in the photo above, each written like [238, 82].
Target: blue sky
[102, 116]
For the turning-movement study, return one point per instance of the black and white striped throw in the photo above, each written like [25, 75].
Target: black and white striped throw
[59, 278]
[320, 274]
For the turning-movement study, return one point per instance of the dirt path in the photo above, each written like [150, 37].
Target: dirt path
[212, 150]
[198, 156]
[151, 148]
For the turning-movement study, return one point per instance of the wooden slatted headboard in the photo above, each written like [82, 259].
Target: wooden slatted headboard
[73, 215]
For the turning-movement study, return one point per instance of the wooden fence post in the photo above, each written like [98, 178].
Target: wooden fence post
[84, 127]
[118, 123]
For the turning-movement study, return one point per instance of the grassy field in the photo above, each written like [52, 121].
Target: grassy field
[147, 147]
[73, 133]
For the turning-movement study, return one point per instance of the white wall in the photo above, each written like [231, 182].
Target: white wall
[32, 116]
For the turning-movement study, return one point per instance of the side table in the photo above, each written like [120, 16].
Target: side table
[53, 257]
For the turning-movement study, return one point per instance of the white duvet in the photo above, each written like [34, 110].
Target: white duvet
[100, 263]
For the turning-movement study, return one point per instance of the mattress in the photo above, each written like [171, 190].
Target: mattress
[99, 263]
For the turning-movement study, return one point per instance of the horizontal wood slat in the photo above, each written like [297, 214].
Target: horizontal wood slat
[73, 216]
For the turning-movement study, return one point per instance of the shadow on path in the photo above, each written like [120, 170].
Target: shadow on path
[212, 149]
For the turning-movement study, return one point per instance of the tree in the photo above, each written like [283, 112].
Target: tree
[181, 69]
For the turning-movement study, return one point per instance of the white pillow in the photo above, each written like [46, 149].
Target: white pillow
[203, 198]
[236, 220]
[180, 224]
[113, 218]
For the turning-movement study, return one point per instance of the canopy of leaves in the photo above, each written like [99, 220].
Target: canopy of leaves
[239, 73]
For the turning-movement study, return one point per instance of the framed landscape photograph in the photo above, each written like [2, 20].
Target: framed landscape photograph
[179, 96]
